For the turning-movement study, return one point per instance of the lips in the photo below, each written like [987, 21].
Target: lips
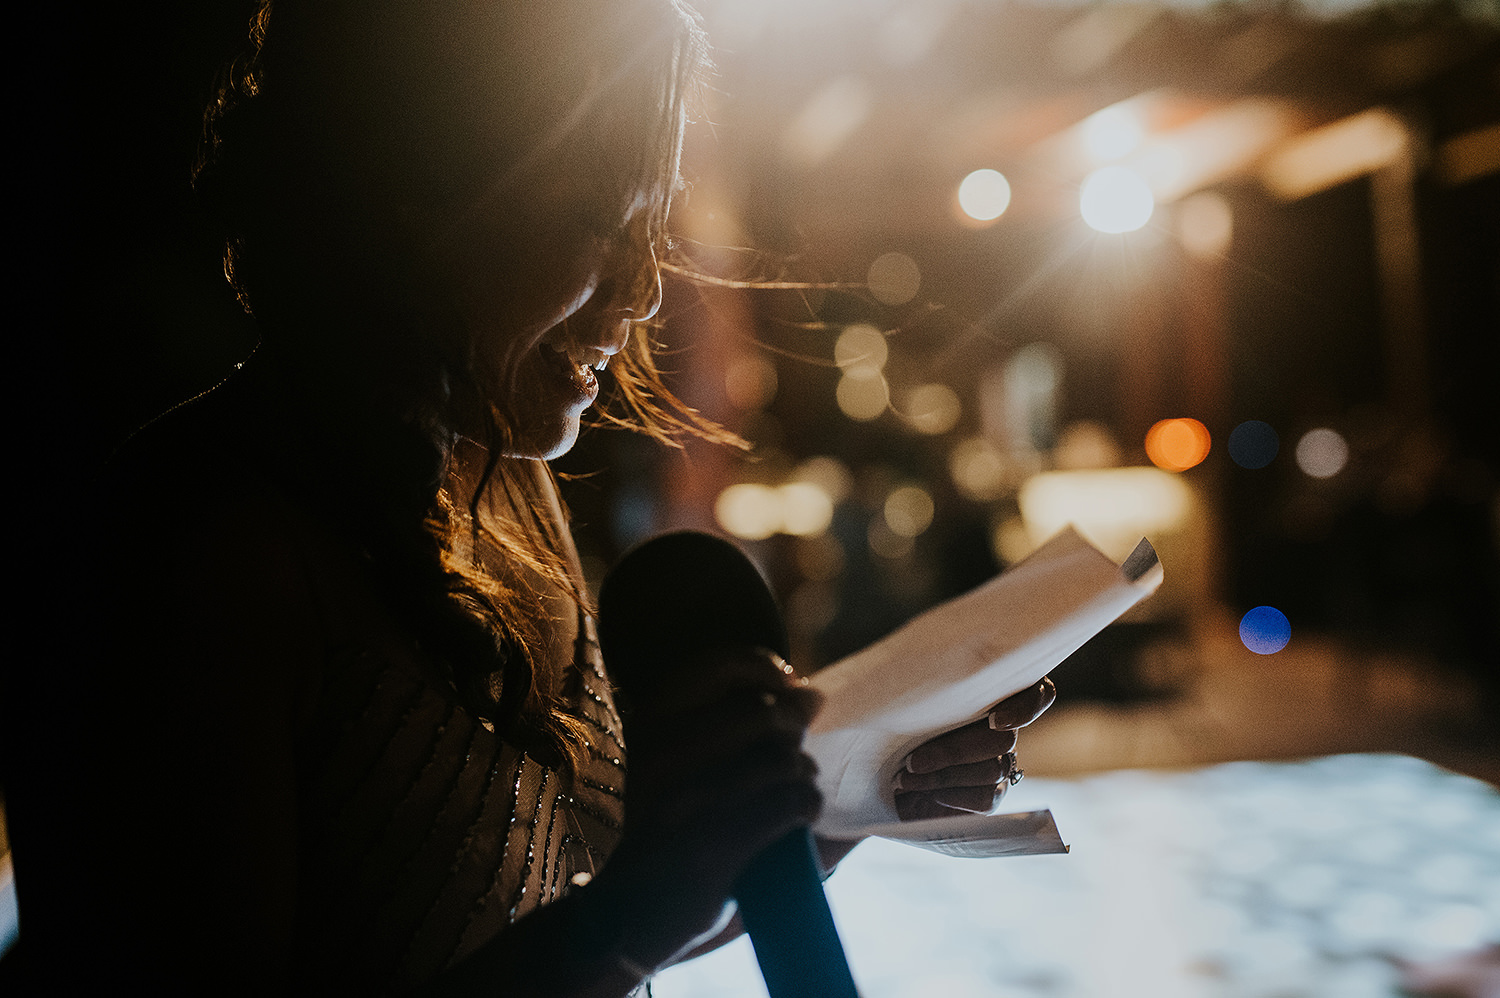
[577, 364]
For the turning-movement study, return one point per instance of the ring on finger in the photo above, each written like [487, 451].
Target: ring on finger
[1010, 770]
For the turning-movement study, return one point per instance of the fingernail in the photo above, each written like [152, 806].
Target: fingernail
[998, 724]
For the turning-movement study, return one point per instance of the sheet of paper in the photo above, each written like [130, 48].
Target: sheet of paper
[979, 836]
[947, 666]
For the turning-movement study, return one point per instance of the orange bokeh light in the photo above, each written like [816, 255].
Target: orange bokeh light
[1177, 444]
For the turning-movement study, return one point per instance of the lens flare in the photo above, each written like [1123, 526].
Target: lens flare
[1115, 199]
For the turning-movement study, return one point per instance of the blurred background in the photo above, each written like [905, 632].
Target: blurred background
[1225, 275]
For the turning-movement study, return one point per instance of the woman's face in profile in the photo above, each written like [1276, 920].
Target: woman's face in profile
[546, 261]
[546, 285]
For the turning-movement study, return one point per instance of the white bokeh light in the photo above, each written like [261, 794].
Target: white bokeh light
[1116, 199]
[984, 195]
[1322, 453]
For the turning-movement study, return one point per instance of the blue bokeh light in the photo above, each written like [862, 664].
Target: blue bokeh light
[1253, 444]
[1265, 630]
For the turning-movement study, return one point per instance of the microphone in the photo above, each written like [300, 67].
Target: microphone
[667, 602]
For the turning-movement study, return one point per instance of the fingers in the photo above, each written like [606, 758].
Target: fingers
[972, 743]
[975, 774]
[1022, 708]
[715, 760]
[947, 803]
[751, 676]
[989, 737]
[937, 799]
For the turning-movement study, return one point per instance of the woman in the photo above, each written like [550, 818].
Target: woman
[346, 724]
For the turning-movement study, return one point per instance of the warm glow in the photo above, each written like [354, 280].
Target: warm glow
[1205, 224]
[806, 510]
[908, 510]
[978, 470]
[932, 409]
[750, 512]
[984, 195]
[826, 121]
[1113, 507]
[1115, 199]
[750, 381]
[1330, 155]
[1112, 133]
[828, 473]
[1322, 453]
[894, 278]
[860, 345]
[1177, 444]
[862, 393]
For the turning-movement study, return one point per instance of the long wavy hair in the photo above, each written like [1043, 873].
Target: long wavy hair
[331, 130]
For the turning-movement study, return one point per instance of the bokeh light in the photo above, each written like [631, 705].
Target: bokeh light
[806, 510]
[894, 278]
[860, 345]
[1253, 444]
[1205, 224]
[932, 409]
[748, 511]
[1086, 444]
[863, 393]
[754, 512]
[1177, 444]
[908, 510]
[1322, 453]
[984, 195]
[1113, 507]
[1265, 630]
[827, 473]
[885, 542]
[1112, 133]
[1115, 199]
[977, 469]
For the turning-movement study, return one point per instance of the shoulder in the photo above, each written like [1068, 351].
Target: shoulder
[203, 565]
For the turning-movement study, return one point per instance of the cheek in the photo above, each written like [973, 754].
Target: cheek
[523, 287]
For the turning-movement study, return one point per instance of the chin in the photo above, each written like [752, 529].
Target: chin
[546, 444]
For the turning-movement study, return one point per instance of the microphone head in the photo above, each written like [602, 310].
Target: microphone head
[678, 595]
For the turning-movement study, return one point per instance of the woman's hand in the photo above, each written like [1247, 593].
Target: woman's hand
[715, 775]
[970, 768]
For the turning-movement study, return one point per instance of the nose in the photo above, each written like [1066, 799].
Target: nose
[639, 296]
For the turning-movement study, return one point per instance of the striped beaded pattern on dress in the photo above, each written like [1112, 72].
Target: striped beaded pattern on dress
[425, 835]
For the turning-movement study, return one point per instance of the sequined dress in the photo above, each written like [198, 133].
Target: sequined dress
[427, 835]
[419, 835]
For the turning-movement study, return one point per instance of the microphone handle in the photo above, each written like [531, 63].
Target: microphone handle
[786, 913]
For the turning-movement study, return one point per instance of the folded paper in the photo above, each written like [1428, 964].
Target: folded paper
[946, 668]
